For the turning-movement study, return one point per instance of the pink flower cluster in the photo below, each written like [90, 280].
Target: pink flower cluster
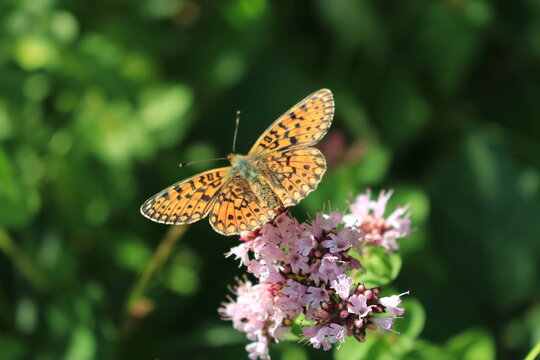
[302, 271]
[368, 215]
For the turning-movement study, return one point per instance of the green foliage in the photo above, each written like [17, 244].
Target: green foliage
[379, 268]
[100, 101]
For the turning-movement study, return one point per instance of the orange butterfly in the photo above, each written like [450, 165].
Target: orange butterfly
[280, 170]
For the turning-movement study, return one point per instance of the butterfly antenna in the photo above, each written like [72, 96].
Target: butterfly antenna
[200, 161]
[236, 131]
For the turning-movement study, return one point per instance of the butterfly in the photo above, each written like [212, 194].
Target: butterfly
[280, 170]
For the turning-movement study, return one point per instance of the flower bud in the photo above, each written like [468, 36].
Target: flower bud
[322, 314]
[368, 294]
[360, 337]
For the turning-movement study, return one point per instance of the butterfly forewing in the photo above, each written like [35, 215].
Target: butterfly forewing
[186, 201]
[301, 126]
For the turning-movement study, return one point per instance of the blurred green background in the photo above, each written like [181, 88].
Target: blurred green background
[100, 100]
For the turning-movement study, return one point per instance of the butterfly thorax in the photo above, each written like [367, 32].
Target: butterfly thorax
[248, 176]
[243, 166]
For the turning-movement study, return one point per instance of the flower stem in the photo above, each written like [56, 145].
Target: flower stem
[534, 352]
[25, 265]
[136, 294]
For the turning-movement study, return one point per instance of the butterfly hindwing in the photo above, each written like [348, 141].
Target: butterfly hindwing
[186, 201]
[293, 174]
[301, 126]
[237, 208]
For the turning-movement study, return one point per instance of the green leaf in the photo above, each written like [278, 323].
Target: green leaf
[17, 203]
[414, 319]
[82, 345]
[354, 349]
[474, 344]
[380, 268]
[132, 253]
[12, 347]
[374, 166]
[294, 352]
[534, 352]
[424, 350]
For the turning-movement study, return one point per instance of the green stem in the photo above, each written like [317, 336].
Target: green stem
[156, 262]
[534, 352]
[21, 261]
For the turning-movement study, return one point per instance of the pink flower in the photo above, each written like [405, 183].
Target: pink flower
[267, 250]
[287, 307]
[294, 290]
[326, 335]
[338, 333]
[297, 262]
[240, 252]
[251, 308]
[342, 241]
[400, 226]
[321, 339]
[385, 323]
[392, 303]
[292, 302]
[325, 222]
[399, 220]
[278, 331]
[328, 269]
[311, 331]
[368, 216]
[359, 209]
[304, 244]
[258, 349]
[342, 286]
[256, 268]
[287, 227]
[379, 206]
[271, 273]
[358, 305]
[315, 296]
[301, 269]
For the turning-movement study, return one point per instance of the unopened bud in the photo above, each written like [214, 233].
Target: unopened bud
[371, 326]
[360, 337]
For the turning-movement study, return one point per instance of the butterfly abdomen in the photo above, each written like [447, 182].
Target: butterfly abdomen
[250, 174]
[266, 194]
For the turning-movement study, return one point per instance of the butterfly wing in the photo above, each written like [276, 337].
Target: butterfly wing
[293, 174]
[301, 126]
[186, 201]
[283, 154]
[237, 208]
